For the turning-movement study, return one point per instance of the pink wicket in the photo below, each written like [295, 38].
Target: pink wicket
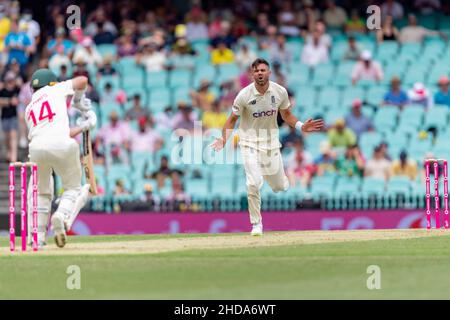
[24, 205]
[436, 192]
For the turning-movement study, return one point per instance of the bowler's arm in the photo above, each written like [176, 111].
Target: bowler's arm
[228, 127]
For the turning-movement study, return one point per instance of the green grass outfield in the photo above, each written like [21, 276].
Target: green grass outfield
[411, 268]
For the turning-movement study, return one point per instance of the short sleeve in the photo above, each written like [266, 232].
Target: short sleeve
[238, 104]
[285, 103]
[65, 87]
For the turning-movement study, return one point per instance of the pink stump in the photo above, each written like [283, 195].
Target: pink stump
[428, 193]
[12, 208]
[23, 209]
[35, 204]
[445, 195]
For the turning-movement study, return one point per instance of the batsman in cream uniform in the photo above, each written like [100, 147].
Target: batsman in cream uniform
[258, 105]
[53, 148]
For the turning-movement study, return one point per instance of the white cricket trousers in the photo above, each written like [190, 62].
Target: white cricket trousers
[61, 156]
[262, 165]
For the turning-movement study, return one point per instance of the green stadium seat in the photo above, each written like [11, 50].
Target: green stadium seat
[386, 117]
[329, 97]
[305, 96]
[376, 94]
[181, 94]
[437, 117]
[399, 185]
[322, 74]
[159, 99]
[386, 50]
[347, 187]
[412, 115]
[372, 186]
[350, 94]
[107, 49]
[156, 79]
[180, 78]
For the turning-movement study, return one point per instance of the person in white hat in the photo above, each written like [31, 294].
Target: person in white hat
[367, 69]
[420, 95]
[88, 52]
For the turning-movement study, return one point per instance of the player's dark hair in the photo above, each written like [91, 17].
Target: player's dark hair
[259, 61]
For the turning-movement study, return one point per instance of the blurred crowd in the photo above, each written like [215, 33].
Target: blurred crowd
[160, 37]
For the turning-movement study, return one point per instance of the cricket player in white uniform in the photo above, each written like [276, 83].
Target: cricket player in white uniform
[53, 148]
[258, 105]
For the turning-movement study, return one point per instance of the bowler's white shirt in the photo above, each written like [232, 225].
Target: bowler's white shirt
[258, 126]
[46, 115]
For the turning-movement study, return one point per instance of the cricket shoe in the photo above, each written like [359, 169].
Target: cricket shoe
[257, 229]
[59, 229]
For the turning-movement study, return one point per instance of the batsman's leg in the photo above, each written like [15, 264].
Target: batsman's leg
[45, 197]
[74, 196]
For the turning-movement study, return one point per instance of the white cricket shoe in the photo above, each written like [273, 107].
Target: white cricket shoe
[257, 229]
[59, 229]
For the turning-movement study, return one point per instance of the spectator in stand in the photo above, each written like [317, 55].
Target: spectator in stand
[427, 7]
[63, 73]
[357, 121]
[378, 167]
[388, 31]
[286, 20]
[31, 26]
[80, 69]
[126, 46]
[308, 16]
[107, 95]
[340, 136]
[351, 163]
[136, 111]
[222, 55]
[280, 53]
[289, 139]
[299, 165]
[314, 52]
[392, 8]
[18, 46]
[326, 161]
[366, 69]
[215, 117]
[396, 96]
[245, 78]
[443, 95]
[269, 39]
[152, 59]
[24, 99]
[353, 52]
[413, 33]
[404, 167]
[103, 35]
[100, 23]
[107, 69]
[418, 94]
[355, 24]
[164, 172]
[262, 24]
[59, 59]
[5, 26]
[334, 16]
[60, 40]
[203, 98]
[164, 120]
[196, 28]
[245, 56]
[324, 38]
[239, 28]
[184, 118]
[182, 54]
[119, 188]
[224, 36]
[88, 53]
[9, 103]
[215, 26]
[146, 139]
[116, 134]
[278, 75]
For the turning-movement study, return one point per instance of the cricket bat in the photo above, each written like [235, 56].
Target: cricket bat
[88, 162]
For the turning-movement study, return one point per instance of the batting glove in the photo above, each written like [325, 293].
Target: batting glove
[88, 122]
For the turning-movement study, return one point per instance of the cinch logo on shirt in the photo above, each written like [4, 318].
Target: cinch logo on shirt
[268, 113]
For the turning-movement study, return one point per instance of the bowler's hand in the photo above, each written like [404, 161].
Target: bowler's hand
[313, 125]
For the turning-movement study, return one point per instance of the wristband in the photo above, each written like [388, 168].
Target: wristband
[299, 126]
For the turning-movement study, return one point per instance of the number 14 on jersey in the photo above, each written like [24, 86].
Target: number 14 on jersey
[45, 113]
